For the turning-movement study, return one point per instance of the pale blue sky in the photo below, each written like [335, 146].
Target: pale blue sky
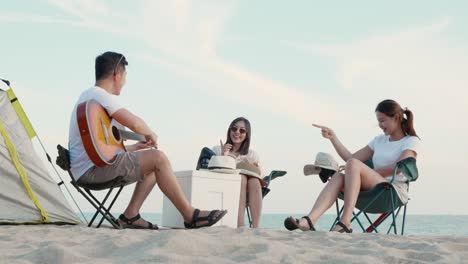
[196, 65]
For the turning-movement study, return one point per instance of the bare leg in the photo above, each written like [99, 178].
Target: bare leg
[255, 200]
[157, 169]
[242, 198]
[141, 191]
[155, 162]
[325, 200]
[358, 177]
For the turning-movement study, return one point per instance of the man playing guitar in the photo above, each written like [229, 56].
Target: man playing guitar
[145, 167]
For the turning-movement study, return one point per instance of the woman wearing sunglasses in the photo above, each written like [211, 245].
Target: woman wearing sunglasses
[238, 145]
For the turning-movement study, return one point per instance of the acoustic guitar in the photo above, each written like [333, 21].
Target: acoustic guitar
[102, 140]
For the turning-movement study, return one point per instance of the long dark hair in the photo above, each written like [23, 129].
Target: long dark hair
[391, 108]
[244, 148]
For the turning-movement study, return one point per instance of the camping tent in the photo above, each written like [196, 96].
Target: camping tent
[28, 195]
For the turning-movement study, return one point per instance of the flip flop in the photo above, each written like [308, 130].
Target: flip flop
[344, 228]
[212, 218]
[128, 223]
[292, 224]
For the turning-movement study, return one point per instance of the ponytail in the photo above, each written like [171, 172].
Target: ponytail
[407, 123]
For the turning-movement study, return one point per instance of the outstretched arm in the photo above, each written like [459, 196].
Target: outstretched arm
[328, 133]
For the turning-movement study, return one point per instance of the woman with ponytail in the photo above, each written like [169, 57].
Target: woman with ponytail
[399, 141]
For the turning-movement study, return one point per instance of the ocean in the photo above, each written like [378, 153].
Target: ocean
[433, 225]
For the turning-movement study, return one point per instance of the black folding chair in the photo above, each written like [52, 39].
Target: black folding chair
[63, 160]
[265, 190]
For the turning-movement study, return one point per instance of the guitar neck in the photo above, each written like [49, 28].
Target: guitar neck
[131, 135]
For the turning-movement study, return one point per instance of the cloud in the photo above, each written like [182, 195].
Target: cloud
[191, 35]
[83, 9]
[417, 57]
[187, 35]
[411, 64]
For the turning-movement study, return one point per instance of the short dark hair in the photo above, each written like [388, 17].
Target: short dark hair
[108, 63]
[244, 148]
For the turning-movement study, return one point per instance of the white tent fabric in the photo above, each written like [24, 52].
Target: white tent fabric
[35, 198]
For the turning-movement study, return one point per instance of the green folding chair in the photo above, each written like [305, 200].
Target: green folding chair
[382, 199]
[265, 190]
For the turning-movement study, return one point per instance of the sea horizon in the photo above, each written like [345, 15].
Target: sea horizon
[416, 224]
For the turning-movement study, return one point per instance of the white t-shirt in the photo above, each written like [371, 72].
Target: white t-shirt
[387, 152]
[79, 160]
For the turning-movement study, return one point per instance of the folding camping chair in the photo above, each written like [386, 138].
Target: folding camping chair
[63, 160]
[383, 200]
[265, 190]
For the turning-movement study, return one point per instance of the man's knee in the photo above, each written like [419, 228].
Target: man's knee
[158, 157]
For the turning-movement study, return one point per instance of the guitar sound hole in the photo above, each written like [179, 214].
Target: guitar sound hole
[116, 133]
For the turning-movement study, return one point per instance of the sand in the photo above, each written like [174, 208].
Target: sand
[80, 244]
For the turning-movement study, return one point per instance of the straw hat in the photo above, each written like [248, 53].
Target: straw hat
[322, 161]
[249, 169]
[223, 164]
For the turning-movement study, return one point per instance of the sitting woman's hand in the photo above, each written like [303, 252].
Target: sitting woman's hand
[226, 149]
[326, 132]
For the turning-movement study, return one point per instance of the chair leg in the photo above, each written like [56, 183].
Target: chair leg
[377, 222]
[394, 218]
[110, 205]
[393, 214]
[107, 215]
[101, 205]
[338, 213]
[247, 209]
[356, 217]
[404, 220]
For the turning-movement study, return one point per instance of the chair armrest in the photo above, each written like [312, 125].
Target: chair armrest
[273, 175]
[408, 168]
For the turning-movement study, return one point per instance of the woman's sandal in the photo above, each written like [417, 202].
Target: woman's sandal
[128, 223]
[201, 221]
[344, 228]
[292, 224]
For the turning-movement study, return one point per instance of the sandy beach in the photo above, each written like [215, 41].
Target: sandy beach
[80, 244]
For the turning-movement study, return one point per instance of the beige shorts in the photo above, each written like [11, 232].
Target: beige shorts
[125, 165]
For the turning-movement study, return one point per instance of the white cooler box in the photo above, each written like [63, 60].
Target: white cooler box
[207, 191]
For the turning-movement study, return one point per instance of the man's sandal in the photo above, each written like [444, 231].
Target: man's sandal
[201, 221]
[129, 223]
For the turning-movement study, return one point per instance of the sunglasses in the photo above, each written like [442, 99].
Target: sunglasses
[241, 130]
